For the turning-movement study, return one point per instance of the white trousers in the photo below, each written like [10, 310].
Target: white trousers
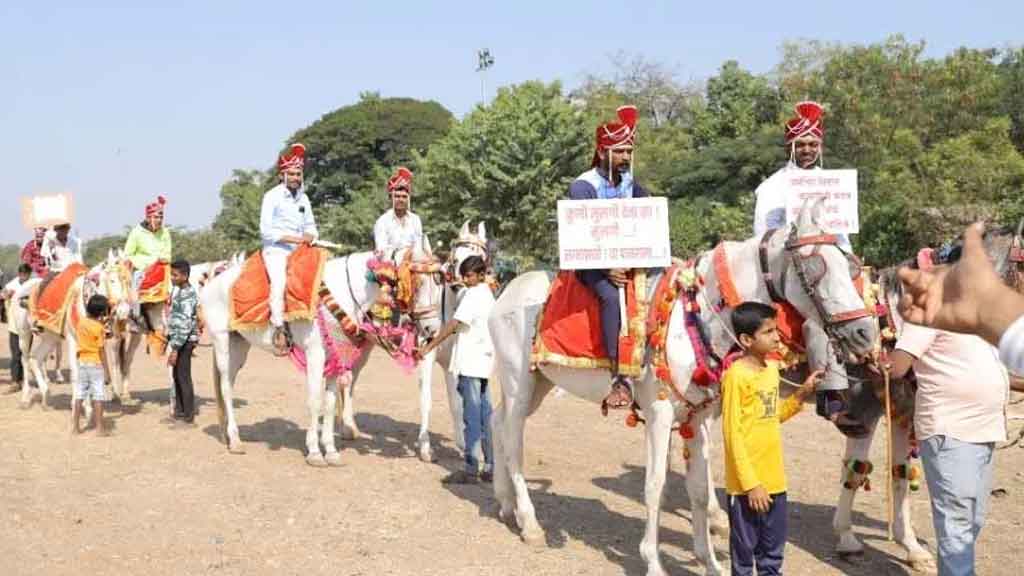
[276, 260]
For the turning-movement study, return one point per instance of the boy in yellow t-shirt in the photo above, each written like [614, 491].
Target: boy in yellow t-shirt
[751, 417]
[91, 364]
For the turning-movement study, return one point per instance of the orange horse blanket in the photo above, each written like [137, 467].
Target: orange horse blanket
[250, 294]
[156, 283]
[569, 332]
[50, 308]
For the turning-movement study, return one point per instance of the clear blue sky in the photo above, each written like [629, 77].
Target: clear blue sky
[121, 101]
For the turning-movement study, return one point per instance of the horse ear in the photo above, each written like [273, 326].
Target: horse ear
[465, 230]
[481, 231]
[811, 214]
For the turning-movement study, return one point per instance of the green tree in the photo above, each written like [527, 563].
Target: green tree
[738, 105]
[241, 198]
[506, 164]
[345, 147]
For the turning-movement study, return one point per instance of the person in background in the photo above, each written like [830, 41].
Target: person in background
[9, 290]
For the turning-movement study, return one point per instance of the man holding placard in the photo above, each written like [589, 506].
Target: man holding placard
[780, 197]
[611, 177]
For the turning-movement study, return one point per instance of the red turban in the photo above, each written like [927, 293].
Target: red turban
[156, 207]
[402, 178]
[807, 122]
[616, 134]
[294, 158]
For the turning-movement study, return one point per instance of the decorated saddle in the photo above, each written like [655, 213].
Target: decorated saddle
[569, 331]
[48, 303]
[155, 286]
[250, 294]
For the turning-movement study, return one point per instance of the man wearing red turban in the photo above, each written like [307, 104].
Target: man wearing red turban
[32, 253]
[399, 227]
[286, 222]
[805, 133]
[611, 177]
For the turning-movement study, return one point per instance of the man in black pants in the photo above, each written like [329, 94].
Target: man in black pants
[182, 335]
[17, 369]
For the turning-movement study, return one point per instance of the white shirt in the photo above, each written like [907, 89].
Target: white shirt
[392, 233]
[8, 292]
[285, 214]
[473, 354]
[59, 256]
[1011, 347]
[770, 204]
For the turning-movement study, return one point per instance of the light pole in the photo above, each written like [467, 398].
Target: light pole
[484, 61]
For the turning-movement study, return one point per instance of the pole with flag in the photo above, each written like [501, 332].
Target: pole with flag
[484, 61]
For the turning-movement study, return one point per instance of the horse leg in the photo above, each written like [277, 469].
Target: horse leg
[856, 449]
[111, 352]
[516, 411]
[719, 520]
[314, 397]
[134, 340]
[426, 373]
[37, 361]
[331, 455]
[230, 351]
[58, 359]
[451, 383]
[349, 428]
[700, 489]
[658, 432]
[903, 527]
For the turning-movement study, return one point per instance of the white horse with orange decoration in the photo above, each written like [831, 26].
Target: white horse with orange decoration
[346, 281]
[829, 302]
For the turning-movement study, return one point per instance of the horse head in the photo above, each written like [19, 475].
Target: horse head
[465, 245]
[113, 279]
[818, 280]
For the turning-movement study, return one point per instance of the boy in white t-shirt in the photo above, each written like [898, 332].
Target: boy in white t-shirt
[473, 361]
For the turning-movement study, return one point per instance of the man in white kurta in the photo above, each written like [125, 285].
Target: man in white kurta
[61, 248]
[804, 137]
[286, 222]
[398, 228]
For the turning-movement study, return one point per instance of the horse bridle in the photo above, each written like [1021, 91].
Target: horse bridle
[831, 321]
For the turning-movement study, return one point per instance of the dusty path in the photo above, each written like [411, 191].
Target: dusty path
[155, 501]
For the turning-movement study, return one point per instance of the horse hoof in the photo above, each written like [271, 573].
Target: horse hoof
[316, 460]
[333, 459]
[427, 456]
[44, 401]
[236, 448]
[533, 537]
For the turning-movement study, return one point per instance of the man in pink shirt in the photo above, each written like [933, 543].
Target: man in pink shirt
[959, 416]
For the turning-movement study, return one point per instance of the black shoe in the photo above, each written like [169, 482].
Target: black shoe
[487, 477]
[461, 477]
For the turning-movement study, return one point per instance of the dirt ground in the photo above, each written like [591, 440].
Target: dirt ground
[154, 501]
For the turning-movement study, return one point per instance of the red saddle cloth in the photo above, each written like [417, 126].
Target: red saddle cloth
[49, 308]
[156, 283]
[569, 331]
[250, 294]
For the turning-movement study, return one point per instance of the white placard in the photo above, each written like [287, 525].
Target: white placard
[46, 211]
[838, 188]
[628, 233]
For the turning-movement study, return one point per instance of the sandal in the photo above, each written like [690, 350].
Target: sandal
[620, 397]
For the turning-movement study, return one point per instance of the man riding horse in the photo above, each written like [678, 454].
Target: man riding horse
[148, 243]
[286, 222]
[61, 248]
[610, 177]
[805, 134]
[399, 227]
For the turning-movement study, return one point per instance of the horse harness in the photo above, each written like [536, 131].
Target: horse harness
[804, 266]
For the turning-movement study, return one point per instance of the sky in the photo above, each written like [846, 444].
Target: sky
[117, 102]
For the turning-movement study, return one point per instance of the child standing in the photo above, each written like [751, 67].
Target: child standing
[473, 360]
[91, 364]
[754, 476]
[182, 335]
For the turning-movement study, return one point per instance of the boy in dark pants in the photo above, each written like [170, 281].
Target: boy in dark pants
[473, 361]
[182, 335]
[751, 418]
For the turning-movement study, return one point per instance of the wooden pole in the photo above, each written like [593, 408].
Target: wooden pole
[623, 313]
[888, 455]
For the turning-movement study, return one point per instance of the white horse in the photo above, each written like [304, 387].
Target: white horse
[346, 280]
[829, 301]
[104, 278]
